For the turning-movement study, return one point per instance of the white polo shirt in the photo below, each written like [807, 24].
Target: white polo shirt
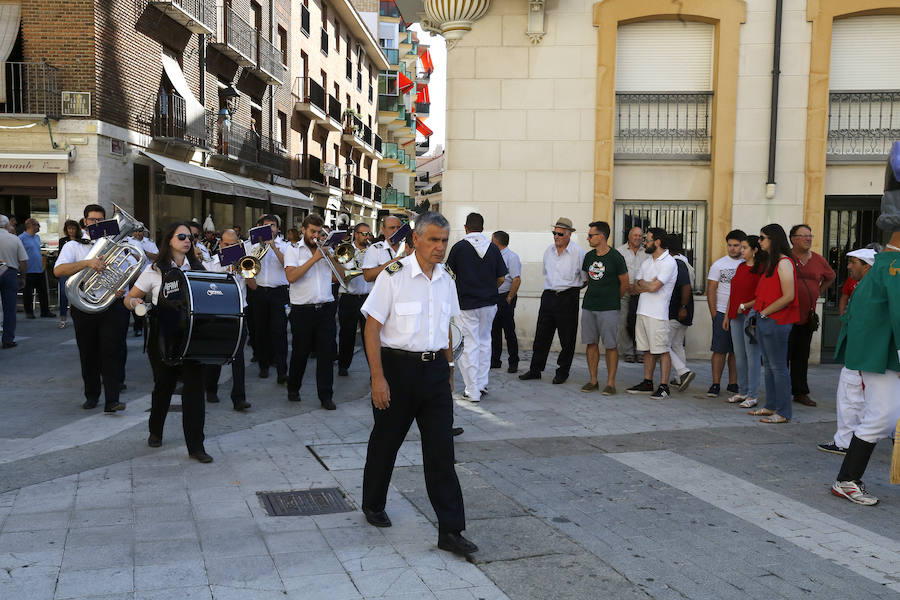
[377, 254]
[563, 271]
[414, 310]
[656, 304]
[150, 280]
[315, 286]
[358, 285]
[272, 272]
[73, 251]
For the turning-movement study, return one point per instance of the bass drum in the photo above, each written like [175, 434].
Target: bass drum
[199, 317]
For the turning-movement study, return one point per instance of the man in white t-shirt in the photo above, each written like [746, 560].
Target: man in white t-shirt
[718, 290]
[654, 281]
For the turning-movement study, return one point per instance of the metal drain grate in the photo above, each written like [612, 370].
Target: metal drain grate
[301, 503]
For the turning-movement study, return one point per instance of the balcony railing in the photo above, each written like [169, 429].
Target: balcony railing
[423, 108]
[377, 144]
[239, 36]
[247, 145]
[390, 151]
[393, 55]
[171, 122]
[367, 189]
[376, 194]
[862, 125]
[31, 89]
[307, 166]
[358, 185]
[367, 135]
[270, 59]
[422, 147]
[309, 91]
[332, 174]
[388, 102]
[198, 16]
[665, 125]
[334, 108]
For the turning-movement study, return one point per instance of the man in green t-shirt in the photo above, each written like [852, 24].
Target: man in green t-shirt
[607, 281]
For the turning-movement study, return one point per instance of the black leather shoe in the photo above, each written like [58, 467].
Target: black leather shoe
[513, 368]
[457, 431]
[201, 456]
[378, 518]
[10, 345]
[263, 372]
[328, 404]
[496, 365]
[48, 315]
[282, 379]
[241, 405]
[212, 398]
[123, 387]
[294, 396]
[529, 375]
[154, 441]
[343, 372]
[456, 543]
[89, 404]
[560, 378]
[111, 408]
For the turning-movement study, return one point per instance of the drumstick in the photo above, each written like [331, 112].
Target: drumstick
[895, 458]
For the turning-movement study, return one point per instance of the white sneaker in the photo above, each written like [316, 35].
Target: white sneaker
[748, 402]
[471, 398]
[854, 491]
[736, 398]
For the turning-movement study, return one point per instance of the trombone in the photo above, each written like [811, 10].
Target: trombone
[340, 256]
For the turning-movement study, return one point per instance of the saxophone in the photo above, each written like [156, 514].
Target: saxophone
[93, 291]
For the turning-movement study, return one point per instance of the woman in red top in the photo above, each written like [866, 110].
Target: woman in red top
[740, 301]
[776, 311]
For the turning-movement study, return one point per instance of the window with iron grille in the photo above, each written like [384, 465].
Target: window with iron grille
[685, 219]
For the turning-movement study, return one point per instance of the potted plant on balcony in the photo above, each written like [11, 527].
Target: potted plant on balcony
[350, 117]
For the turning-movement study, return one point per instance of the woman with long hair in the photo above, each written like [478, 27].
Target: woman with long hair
[175, 252]
[72, 231]
[740, 301]
[775, 310]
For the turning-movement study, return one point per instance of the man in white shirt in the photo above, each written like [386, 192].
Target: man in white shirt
[269, 333]
[151, 251]
[558, 312]
[718, 290]
[312, 313]
[633, 253]
[380, 254]
[507, 294]
[349, 317]
[654, 283]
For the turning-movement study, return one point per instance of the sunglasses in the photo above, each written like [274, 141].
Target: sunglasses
[557, 233]
[183, 236]
[365, 233]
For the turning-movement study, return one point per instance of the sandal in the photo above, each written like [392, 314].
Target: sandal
[62, 324]
[761, 412]
[774, 419]
[749, 402]
[736, 398]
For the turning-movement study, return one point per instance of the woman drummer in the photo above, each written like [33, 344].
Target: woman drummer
[176, 252]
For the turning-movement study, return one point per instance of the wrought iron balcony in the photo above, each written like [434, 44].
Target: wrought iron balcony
[663, 125]
[271, 68]
[862, 125]
[332, 174]
[334, 108]
[235, 38]
[309, 98]
[198, 16]
[241, 143]
[377, 144]
[32, 89]
[171, 123]
[367, 135]
[358, 185]
[367, 189]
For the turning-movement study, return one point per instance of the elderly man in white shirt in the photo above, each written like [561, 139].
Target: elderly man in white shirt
[563, 279]
[633, 252]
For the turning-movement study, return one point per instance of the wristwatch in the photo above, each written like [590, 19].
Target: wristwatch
[741, 307]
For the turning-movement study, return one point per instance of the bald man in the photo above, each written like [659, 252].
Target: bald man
[633, 251]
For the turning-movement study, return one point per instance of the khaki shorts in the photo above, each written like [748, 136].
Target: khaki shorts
[651, 334]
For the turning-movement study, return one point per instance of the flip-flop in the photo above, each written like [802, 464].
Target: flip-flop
[775, 420]
[761, 412]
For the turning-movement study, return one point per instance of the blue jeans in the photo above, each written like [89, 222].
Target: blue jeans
[747, 357]
[773, 343]
[63, 299]
[9, 286]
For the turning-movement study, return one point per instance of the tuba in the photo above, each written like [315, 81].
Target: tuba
[93, 291]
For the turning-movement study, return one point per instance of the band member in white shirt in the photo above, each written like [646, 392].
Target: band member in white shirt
[381, 253]
[349, 317]
[268, 302]
[212, 372]
[150, 250]
[176, 253]
[563, 279]
[312, 313]
[100, 336]
[407, 335]
[200, 250]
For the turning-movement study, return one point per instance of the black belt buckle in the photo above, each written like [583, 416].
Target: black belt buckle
[428, 356]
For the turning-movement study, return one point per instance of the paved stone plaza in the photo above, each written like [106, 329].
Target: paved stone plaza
[569, 495]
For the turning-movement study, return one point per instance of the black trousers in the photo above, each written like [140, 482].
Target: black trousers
[349, 318]
[505, 326]
[558, 313]
[101, 342]
[271, 328]
[313, 329]
[251, 318]
[420, 391]
[798, 358]
[36, 283]
[138, 323]
[193, 408]
[212, 372]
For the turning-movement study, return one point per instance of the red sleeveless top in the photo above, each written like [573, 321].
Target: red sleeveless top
[768, 290]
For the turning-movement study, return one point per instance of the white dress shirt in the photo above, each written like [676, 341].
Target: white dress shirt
[150, 280]
[272, 272]
[414, 310]
[358, 285]
[378, 254]
[633, 260]
[72, 252]
[656, 304]
[216, 267]
[513, 265]
[315, 285]
[562, 272]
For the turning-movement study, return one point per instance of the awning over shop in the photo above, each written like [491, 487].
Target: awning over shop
[192, 176]
[288, 197]
[248, 188]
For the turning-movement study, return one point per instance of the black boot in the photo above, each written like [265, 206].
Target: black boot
[856, 460]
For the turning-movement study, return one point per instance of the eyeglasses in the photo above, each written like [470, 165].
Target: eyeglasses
[183, 236]
[365, 233]
[558, 234]
[805, 237]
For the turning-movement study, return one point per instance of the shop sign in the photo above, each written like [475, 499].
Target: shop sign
[42, 164]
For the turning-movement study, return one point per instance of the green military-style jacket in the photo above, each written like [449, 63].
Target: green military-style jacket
[870, 329]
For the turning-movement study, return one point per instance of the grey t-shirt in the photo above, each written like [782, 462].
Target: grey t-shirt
[11, 250]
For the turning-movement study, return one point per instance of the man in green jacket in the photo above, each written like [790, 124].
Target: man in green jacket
[870, 342]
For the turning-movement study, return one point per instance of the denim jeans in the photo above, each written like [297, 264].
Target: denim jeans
[773, 343]
[747, 357]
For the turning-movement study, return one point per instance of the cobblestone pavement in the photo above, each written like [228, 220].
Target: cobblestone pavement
[569, 495]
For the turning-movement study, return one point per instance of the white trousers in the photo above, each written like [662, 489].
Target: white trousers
[475, 360]
[851, 404]
[677, 332]
[882, 410]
